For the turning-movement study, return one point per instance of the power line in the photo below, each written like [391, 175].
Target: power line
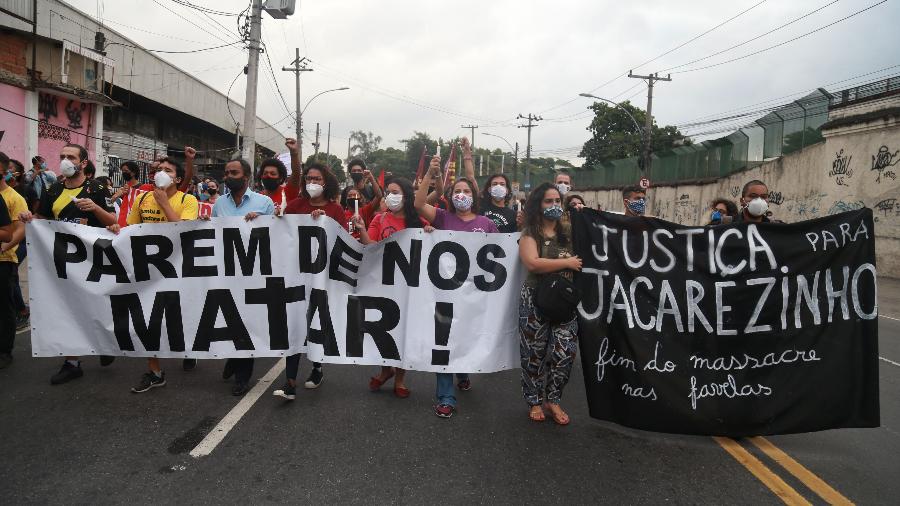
[174, 52]
[204, 10]
[200, 27]
[782, 43]
[228, 100]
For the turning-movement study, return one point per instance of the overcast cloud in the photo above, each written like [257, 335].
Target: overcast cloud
[488, 61]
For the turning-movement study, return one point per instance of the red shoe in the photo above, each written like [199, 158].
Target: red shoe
[444, 410]
[375, 382]
[401, 392]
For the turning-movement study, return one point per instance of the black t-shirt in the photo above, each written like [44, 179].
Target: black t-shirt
[503, 217]
[90, 189]
[4, 214]
[28, 193]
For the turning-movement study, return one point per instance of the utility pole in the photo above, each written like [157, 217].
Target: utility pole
[237, 138]
[316, 144]
[472, 128]
[348, 153]
[299, 65]
[249, 151]
[648, 129]
[531, 118]
[328, 144]
[516, 164]
[502, 161]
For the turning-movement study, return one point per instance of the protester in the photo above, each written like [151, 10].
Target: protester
[9, 261]
[401, 214]
[563, 182]
[90, 171]
[754, 203]
[634, 200]
[212, 190]
[461, 215]
[17, 182]
[354, 204]
[574, 203]
[241, 201]
[166, 203]
[319, 189]
[547, 349]
[74, 200]
[723, 212]
[40, 178]
[495, 203]
[189, 155]
[124, 195]
[274, 179]
[365, 185]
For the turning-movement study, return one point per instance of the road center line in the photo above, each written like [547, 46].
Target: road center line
[816, 484]
[890, 361]
[218, 433]
[771, 480]
[889, 317]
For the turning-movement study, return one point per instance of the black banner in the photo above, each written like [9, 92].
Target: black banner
[732, 330]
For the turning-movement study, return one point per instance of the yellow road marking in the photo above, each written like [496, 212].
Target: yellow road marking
[778, 486]
[816, 484]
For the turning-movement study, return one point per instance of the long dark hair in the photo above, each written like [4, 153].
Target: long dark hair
[534, 215]
[448, 194]
[409, 209]
[331, 188]
[486, 191]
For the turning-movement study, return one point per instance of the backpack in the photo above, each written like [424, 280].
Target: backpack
[556, 297]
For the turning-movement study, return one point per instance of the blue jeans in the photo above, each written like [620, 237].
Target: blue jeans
[446, 388]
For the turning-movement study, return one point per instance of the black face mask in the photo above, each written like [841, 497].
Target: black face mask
[233, 184]
[127, 176]
[356, 176]
[269, 183]
[212, 191]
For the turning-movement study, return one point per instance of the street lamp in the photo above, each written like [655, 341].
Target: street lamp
[515, 155]
[645, 136]
[300, 116]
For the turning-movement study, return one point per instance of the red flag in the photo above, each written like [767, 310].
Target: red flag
[448, 178]
[421, 170]
[381, 179]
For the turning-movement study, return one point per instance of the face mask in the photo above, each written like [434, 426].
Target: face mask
[234, 184]
[563, 188]
[498, 192]
[462, 202]
[553, 212]
[162, 180]
[716, 216]
[314, 190]
[212, 191]
[204, 197]
[638, 206]
[757, 207]
[43, 165]
[394, 201]
[8, 177]
[67, 168]
[127, 176]
[356, 176]
[270, 183]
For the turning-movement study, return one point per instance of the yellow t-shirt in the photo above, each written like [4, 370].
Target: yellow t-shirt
[16, 204]
[146, 210]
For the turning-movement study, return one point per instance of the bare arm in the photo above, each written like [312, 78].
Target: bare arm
[467, 163]
[18, 233]
[425, 209]
[189, 154]
[434, 196]
[530, 256]
[296, 172]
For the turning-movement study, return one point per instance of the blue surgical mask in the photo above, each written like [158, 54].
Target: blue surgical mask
[716, 216]
[553, 212]
[638, 206]
[8, 177]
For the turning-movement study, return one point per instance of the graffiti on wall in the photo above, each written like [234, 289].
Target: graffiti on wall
[887, 206]
[806, 206]
[840, 168]
[776, 198]
[842, 206]
[74, 111]
[735, 192]
[883, 160]
[47, 106]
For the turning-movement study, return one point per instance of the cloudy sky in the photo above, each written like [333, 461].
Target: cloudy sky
[434, 66]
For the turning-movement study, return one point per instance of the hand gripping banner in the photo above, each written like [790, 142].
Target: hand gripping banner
[441, 301]
[731, 330]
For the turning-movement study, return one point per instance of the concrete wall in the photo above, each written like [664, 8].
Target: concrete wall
[857, 165]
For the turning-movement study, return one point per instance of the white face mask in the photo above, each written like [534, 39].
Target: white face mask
[498, 192]
[67, 168]
[314, 190]
[462, 202]
[394, 201]
[162, 180]
[757, 207]
[563, 189]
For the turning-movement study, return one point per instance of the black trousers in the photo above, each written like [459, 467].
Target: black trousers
[7, 313]
[243, 369]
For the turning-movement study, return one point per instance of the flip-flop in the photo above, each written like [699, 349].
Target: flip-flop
[559, 419]
[537, 416]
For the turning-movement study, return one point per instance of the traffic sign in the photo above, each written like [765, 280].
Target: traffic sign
[644, 183]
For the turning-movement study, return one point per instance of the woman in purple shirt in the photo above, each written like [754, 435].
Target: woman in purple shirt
[461, 215]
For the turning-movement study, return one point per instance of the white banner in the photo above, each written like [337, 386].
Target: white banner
[440, 301]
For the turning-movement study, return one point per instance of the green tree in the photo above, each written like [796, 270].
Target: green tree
[799, 140]
[615, 136]
[390, 160]
[414, 147]
[363, 144]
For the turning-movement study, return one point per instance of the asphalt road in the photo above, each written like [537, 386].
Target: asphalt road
[92, 441]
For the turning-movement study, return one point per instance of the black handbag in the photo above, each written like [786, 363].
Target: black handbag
[556, 298]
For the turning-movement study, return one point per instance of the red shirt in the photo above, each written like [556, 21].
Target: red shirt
[289, 191]
[366, 212]
[385, 224]
[301, 205]
[125, 206]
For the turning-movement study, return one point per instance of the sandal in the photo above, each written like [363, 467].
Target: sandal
[375, 382]
[560, 417]
[536, 415]
[401, 392]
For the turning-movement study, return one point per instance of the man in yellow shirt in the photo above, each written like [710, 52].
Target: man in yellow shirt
[9, 263]
[164, 204]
